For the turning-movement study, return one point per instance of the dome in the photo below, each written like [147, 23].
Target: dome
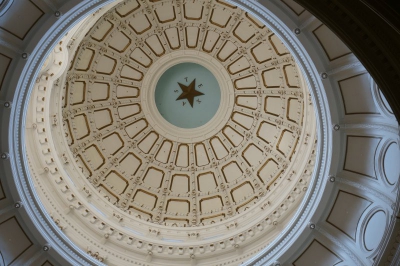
[203, 133]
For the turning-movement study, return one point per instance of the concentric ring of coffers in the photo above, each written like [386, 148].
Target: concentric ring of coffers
[129, 178]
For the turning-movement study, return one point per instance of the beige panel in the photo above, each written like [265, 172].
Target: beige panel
[192, 36]
[286, 142]
[130, 164]
[172, 35]
[140, 23]
[318, 255]
[268, 171]
[100, 91]
[165, 14]
[119, 41]
[154, 43]
[84, 60]
[242, 192]
[106, 65]
[153, 178]
[141, 57]
[136, 128]
[346, 212]
[206, 182]
[164, 152]
[243, 120]
[201, 155]
[130, 73]
[180, 184]
[218, 148]
[211, 204]
[13, 241]
[231, 172]
[239, 65]
[145, 198]
[127, 92]
[126, 111]
[272, 78]
[244, 31]
[5, 62]
[182, 157]
[291, 76]
[193, 10]
[360, 155]
[148, 142]
[274, 105]
[26, 10]
[252, 155]
[178, 206]
[127, 8]
[294, 110]
[78, 92]
[81, 126]
[102, 118]
[332, 45]
[267, 131]
[102, 30]
[357, 95]
[227, 50]
[220, 17]
[234, 137]
[108, 194]
[277, 45]
[262, 52]
[210, 41]
[246, 83]
[247, 101]
[112, 143]
[95, 157]
[117, 182]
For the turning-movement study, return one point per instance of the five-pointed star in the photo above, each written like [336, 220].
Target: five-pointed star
[189, 92]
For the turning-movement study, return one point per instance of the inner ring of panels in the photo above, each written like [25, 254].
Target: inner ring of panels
[159, 180]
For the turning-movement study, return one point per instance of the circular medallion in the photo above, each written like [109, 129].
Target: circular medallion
[187, 95]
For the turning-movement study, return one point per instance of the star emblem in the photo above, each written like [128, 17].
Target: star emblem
[189, 92]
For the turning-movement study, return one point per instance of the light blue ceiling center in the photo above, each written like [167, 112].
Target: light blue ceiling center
[180, 113]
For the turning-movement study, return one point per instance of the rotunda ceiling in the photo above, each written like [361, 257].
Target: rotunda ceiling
[181, 121]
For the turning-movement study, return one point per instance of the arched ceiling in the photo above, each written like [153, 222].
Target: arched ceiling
[347, 214]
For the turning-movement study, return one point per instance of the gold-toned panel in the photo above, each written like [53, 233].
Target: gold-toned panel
[155, 45]
[201, 154]
[94, 157]
[210, 41]
[272, 78]
[262, 52]
[145, 198]
[166, 14]
[273, 105]
[268, 171]
[77, 92]
[244, 31]
[226, 51]
[218, 148]
[193, 10]
[178, 206]
[220, 17]
[247, 101]
[129, 72]
[192, 36]
[242, 192]
[278, 46]
[238, 65]
[267, 131]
